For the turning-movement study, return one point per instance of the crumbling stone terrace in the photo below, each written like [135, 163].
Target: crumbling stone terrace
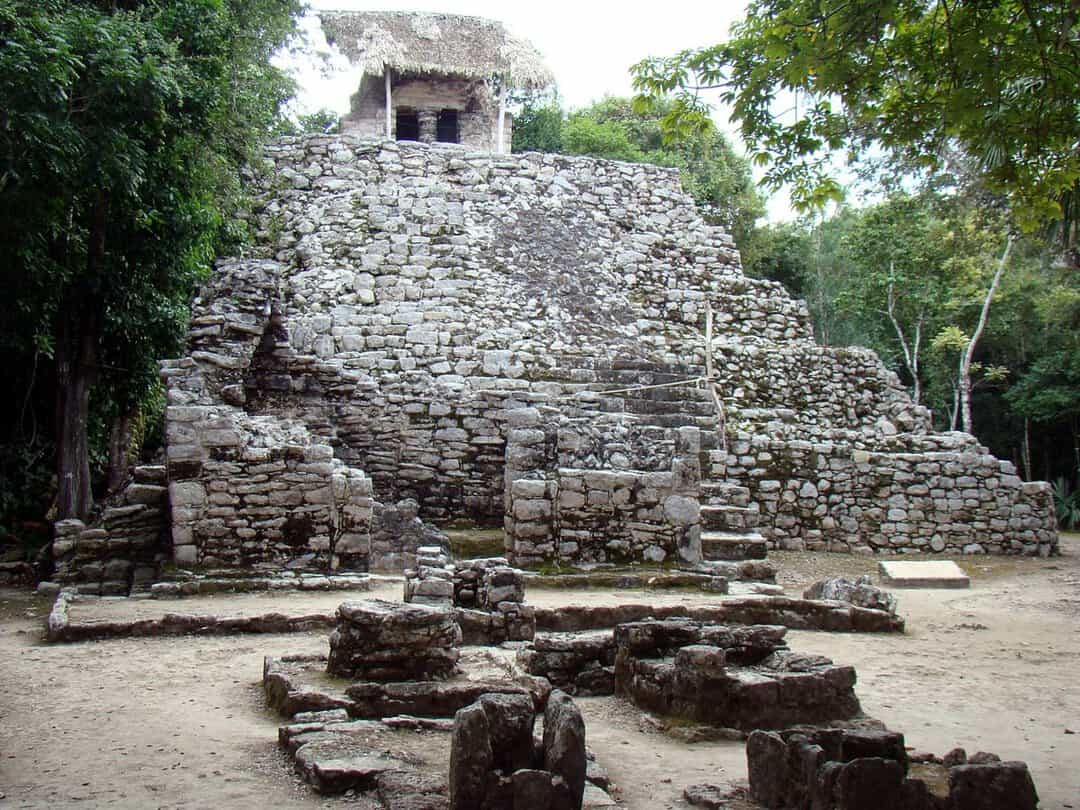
[803, 768]
[404, 300]
[736, 677]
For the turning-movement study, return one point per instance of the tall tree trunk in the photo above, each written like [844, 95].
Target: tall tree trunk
[78, 327]
[964, 376]
[1076, 448]
[119, 446]
[1025, 450]
[911, 353]
[76, 357]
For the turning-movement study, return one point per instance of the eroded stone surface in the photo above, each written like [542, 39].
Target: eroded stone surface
[735, 677]
[402, 300]
[387, 641]
[861, 593]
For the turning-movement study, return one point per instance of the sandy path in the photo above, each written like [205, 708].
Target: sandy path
[180, 723]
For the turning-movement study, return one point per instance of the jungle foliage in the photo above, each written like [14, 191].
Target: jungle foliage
[906, 276]
[123, 125]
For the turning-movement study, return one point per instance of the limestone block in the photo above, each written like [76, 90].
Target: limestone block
[379, 640]
[564, 743]
[681, 510]
[471, 758]
[187, 493]
[185, 555]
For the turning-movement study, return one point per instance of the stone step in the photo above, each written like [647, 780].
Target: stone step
[680, 420]
[729, 518]
[149, 494]
[724, 493]
[733, 546]
[649, 406]
[150, 474]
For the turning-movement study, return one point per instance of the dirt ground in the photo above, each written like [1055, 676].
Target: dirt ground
[180, 722]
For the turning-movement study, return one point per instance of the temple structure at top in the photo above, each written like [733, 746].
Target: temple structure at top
[434, 78]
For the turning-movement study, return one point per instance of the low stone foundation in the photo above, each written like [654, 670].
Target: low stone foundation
[60, 628]
[796, 614]
[735, 677]
[495, 764]
[386, 641]
[578, 663]
[806, 768]
[295, 684]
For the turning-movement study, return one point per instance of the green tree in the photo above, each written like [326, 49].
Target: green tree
[900, 279]
[122, 128]
[919, 80]
[538, 126]
[781, 252]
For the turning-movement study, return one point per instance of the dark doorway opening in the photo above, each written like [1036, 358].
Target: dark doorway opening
[446, 127]
[408, 125]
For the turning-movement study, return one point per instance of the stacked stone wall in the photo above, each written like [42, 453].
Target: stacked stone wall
[403, 300]
[639, 503]
[123, 547]
[953, 497]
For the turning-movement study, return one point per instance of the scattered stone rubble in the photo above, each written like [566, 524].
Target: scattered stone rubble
[16, 573]
[809, 768]
[124, 548]
[861, 593]
[431, 582]
[740, 677]
[488, 596]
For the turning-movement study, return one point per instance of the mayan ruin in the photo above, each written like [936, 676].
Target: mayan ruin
[492, 478]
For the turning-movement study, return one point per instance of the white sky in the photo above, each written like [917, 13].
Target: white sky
[589, 46]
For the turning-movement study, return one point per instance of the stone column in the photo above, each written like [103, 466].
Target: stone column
[429, 120]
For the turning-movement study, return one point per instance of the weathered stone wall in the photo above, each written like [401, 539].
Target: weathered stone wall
[636, 500]
[124, 547]
[403, 300]
[953, 496]
[246, 482]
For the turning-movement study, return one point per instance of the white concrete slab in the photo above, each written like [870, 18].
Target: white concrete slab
[923, 574]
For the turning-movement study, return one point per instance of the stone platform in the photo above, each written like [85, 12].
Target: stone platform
[923, 574]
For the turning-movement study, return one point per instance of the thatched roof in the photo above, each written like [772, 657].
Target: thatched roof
[447, 44]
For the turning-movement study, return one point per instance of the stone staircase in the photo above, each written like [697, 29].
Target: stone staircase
[729, 521]
[123, 549]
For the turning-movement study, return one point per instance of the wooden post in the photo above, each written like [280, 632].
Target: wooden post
[500, 131]
[708, 340]
[711, 380]
[389, 106]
